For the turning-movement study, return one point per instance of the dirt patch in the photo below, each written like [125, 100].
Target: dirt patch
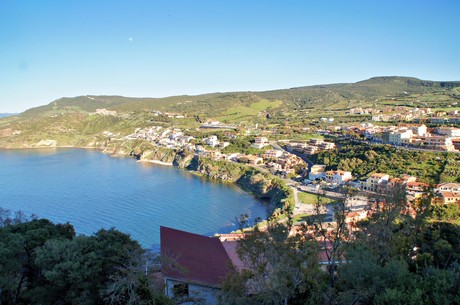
[8, 132]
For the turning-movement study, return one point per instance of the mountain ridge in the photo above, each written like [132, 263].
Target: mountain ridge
[361, 90]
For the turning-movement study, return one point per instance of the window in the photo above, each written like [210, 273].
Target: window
[180, 289]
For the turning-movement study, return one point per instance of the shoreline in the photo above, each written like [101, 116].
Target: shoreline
[156, 162]
[265, 201]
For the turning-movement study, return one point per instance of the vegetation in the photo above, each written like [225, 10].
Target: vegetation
[46, 263]
[364, 159]
[68, 120]
[307, 198]
[390, 258]
[262, 185]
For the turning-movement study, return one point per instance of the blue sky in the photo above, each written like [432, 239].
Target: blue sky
[50, 49]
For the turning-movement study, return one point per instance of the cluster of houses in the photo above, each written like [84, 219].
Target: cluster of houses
[277, 161]
[165, 137]
[416, 115]
[311, 147]
[439, 138]
[376, 182]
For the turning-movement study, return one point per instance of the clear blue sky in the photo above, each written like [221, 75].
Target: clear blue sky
[50, 49]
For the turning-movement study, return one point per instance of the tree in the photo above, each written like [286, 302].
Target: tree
[137, 282]
[77, 271]
[277, 268]
[333, 237]
[18, 245]
[400, 257]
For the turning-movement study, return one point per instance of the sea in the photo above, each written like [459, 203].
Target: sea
[91, 191]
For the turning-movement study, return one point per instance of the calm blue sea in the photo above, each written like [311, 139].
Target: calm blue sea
[92, 191]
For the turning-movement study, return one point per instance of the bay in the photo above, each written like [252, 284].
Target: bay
[93, 191]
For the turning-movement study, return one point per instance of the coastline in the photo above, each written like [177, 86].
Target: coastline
[156, 162]
[243, 184]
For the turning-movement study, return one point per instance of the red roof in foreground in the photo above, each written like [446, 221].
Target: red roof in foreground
[201, 259]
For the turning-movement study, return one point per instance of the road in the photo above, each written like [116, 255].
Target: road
[301, 208]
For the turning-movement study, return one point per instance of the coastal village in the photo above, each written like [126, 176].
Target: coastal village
[325, 181]
[230, 152]
[290, 161]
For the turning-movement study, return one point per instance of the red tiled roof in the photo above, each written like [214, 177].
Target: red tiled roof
[450, 194]
[415, 184]
[201, 259]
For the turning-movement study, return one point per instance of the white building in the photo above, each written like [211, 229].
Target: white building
[449, 187]
[260, 142]
[211, 141]
[338, 177]
[419, 130]
[400, 137]
[375, 182]
[449, 132]
[272, 154]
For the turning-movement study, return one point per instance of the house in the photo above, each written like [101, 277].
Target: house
[448, 198]
[414, 187]
[448, 187]
[419, 130]
[194, 265]
[456, 143]
[250, 159]
[310, 150]
[449, 132]
[260, 142]
[272, 154]
[338, 176]
[375, 182]
[400, 137]
[439, 142]
[326, 145]
[211, 141]
[354, 216]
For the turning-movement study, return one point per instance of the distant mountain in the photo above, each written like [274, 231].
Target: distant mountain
[367, 90]
[4, 115]
[300, 97]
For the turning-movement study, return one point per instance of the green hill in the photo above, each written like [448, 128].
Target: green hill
[218, 103]
[73, 121]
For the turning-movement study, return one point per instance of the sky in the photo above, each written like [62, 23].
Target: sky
[152, 48]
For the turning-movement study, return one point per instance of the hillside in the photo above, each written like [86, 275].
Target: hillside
[74, 121]
[365, 91]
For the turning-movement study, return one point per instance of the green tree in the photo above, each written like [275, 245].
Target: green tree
[18, 245]
[277, 268]
[77, 271]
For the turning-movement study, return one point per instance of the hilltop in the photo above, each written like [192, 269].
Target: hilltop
[364, 91]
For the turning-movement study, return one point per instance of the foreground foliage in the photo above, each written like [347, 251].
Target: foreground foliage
[389, 258]
[364, 159]
[46, 263]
